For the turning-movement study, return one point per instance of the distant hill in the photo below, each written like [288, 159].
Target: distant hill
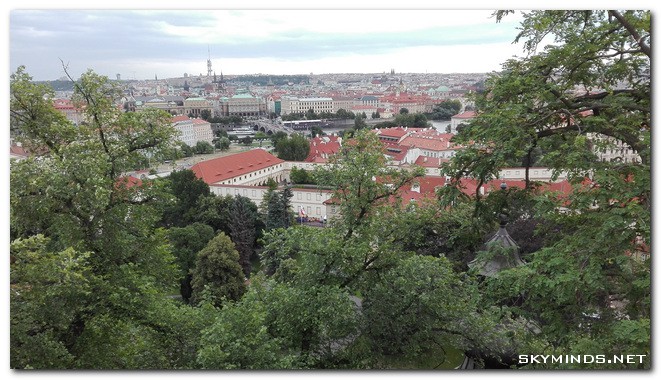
[58, 85]
[263, 80]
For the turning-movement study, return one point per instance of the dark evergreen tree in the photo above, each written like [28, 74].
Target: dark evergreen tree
[242, 230]
[186, 243]
[187, 189]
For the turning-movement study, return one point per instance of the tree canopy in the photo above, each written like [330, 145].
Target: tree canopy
[293, 148]
[96, 257]
[585, 91]
[74, 216]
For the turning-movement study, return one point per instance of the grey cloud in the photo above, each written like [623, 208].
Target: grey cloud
[100, 35]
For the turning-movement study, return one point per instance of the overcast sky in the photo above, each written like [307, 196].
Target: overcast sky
[168, 43]
[245, 38]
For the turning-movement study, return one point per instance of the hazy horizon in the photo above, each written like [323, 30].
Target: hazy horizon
[142, 44]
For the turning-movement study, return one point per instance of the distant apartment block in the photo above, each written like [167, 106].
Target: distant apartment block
[291, 105]
[192, 130]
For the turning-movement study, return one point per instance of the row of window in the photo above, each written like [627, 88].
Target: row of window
[253, 194]
[299, 196]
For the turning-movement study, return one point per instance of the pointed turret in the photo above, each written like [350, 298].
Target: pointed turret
[505, 251]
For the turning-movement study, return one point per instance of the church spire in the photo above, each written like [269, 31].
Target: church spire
[209, 62]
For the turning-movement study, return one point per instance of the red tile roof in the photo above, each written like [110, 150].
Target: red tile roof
[16, 150]
[200, 121]
[397, 132]
[180, 118]
[128, 182]
[436, 143]
[63, 104]
[397, 152]
[469, 185]
[321, 148]
[465, 115]
[222, 168]
[430, 162]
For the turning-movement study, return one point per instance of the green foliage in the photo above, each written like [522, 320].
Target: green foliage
[205, 114]
[279, 135]
[419, 304]
[454, 233]
[533, 102]
[359, 123]
[217, 276]
[316, 131]
[187, 190]
[46, 290]
[341, 114]
[203, 147]
[240, 339]
[213, 210]
[276, 208]
[294, 148]
[313, 320]
[223, 143]
[446, 109]
[102, 299]
[186, 243]
[301, 176]
[185, 150]
[583, 281]
[417, 120]
[385, 124]
[362, 179]
[243, 218]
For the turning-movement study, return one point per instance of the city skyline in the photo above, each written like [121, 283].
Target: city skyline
[142, 44]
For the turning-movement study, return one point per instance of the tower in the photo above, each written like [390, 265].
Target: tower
[209, 62]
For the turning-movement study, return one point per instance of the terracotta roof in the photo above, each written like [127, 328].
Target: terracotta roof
[321, 148]
[430, 162]
[62, 104]
[180, 118]
[469, 185]
[200, 121]
[363, 107]
[465, 115]
[222, 168]
[397, 132]
[397, 152]
[438, 143]
[127, 182]
[16, 150]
